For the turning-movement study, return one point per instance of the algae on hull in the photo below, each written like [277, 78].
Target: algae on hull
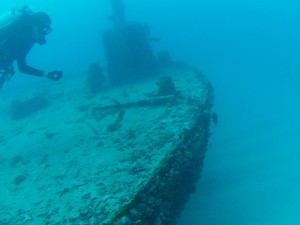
[162, 198]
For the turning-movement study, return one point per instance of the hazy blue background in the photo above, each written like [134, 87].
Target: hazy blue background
[250, 50]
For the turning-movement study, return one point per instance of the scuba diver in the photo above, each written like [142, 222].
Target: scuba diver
[20, 29]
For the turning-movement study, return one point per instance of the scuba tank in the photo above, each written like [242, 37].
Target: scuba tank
[11, 16]
[6, 20]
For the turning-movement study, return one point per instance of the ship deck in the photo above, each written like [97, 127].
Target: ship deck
[126, 155]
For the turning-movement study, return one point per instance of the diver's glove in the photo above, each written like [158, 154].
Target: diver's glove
[55, 75]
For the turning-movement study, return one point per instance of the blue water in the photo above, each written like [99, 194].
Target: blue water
[250, 50]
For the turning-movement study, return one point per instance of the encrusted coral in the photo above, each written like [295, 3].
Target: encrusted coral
[166, 86]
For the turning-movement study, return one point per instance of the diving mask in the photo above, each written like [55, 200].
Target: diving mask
[45, 30]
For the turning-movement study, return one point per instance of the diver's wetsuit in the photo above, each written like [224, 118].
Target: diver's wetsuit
[15, 43]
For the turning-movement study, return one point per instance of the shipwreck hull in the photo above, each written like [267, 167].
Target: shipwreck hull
[128, 155]
[163, 197]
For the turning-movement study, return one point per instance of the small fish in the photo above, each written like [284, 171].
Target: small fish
[214, 118]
